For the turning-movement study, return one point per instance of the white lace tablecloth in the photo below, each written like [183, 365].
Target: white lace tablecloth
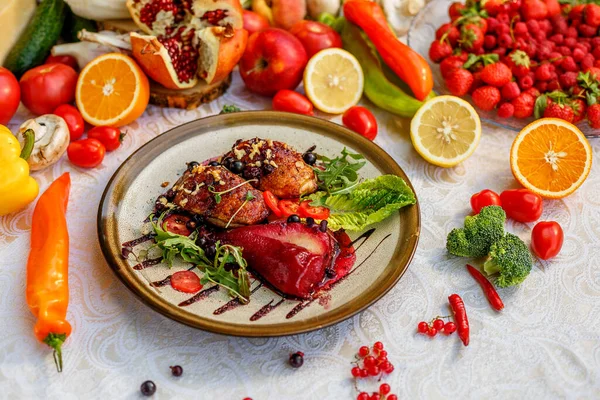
[544, 345]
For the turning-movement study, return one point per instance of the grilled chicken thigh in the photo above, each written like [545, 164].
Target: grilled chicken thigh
[198, 191]
[276, 167]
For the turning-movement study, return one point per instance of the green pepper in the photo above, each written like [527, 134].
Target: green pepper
[378, 88]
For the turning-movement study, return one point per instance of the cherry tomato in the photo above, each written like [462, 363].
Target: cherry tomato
[546, 239]
[186, 282]
[177, 224]
[110, 137]
[294, 102]
[67, 60]
[288, 207]
[86, 153]
[483, 199]
[361, 121]
[73, 118]
[318, 212]
[10, 95]
[315, 36]
[272, 202]
[48, 86]
[254, 22]
[522, 205]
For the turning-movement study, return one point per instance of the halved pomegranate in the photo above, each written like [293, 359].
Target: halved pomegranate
[220, 50]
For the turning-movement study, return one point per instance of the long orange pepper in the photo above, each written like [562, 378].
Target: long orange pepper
[47, 267]
[409, 65]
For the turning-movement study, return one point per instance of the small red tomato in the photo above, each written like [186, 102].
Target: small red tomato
[318, 212]
[272, 202]
[483, 199]
[361, 121]
[522, 205]
[10, 95]
[315, 36]
[294, 102]
[254, 22]
[110, 137]
[48, 86]
[73, 118]
[288, 207]
[186, 282]
[86, 153]
[177, 224]
[67, 60]
[546, 239]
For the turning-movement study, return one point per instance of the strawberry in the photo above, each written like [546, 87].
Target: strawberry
[562, 111]
[523, 105]
[497, 74]
[439, 50]
[510, 91]
[576, 13]
[591, 15]
[450, 64]
[506, 110]
[486, 97]
[471, 37]
[534, 9]
[579, 108]
[455, 10]
[494, 7]
[533, 92]
[594, 72]
[459, 82]
[449, 32]
[553, 8]
[489, 42]
[593, 115]
[477, 82]
[519, 63]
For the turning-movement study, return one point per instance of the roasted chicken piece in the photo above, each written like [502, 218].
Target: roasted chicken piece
[275, 166]
[220, 196]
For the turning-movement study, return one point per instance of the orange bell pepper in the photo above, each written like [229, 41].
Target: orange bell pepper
[409, 65]
[47, 267]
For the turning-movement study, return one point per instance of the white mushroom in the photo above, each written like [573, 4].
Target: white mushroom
[400, 13]
[51, 140]
[317, 7]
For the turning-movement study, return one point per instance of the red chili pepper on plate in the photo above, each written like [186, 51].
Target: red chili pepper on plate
[460, 317]
[488, 289]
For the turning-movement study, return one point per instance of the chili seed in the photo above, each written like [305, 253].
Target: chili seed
[323, 226]
[293, 218]
[148, 388]
[297, 359]
[176, 370]
[309, 158]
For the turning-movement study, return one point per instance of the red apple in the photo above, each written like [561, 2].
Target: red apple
[315, 36]
[274, 60]
[254, 22]
[281, 13]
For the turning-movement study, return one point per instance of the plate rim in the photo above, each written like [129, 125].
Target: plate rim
[171, 311]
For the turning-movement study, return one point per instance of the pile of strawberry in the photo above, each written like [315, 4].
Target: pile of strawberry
[523, 57]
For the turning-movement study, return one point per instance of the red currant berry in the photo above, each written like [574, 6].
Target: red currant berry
[247, 398]
[363, 396]
[384, 388]
[449, 328]
[374, 370]
[378, 346]
[381, 360]
[392, 397]
[375, 396]
[390, 369]
[423, 327]
[363, 351]
[384, 365]
[432, 332]
[382, 354]
[369, 361]
[355, 372]
[364, 373]
[438, 324]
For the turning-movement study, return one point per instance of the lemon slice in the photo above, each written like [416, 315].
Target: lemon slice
[333, 80]
[445, 131]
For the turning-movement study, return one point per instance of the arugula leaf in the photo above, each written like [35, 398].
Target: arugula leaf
[369, 202]
[229, 109]
[340, 174]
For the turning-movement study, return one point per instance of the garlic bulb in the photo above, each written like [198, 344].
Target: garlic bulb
[99, 10]
[51, 140]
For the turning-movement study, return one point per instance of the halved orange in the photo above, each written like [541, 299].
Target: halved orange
[551, 157]
[112, 90]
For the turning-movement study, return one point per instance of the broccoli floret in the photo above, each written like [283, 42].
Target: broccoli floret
[511, 258]
[479, 233]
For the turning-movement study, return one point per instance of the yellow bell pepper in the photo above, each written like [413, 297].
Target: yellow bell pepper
[17, 188]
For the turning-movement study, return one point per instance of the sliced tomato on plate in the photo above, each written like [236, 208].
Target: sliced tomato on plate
[306, 210]
[289, 207]
[186, 282]
[177, 224]
[272, 202]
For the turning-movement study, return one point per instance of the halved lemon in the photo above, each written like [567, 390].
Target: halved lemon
[445, 131]
[551, 157]
[112, 90]
[333, 80]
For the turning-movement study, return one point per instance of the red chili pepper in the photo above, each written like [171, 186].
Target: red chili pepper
[488, 288]
[409, 65]
[460, 317]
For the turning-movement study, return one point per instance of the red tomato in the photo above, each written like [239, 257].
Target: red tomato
[294, 102]
[73, 119]
[288, 207]
[315, 36]
[67, 60]
[546, 239]
[483, 199]
[177, 224]
[522, 205]
[86, 153]
[10, 95]
[272, 202]
[306, 211]
[186, 282]
[110, 137]
[254, 22]
[361, 121]
[48, 86]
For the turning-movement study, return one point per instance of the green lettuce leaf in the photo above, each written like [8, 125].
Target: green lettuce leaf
[369, 202]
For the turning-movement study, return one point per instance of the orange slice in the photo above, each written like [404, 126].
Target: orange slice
[112, 90]
[551, 157]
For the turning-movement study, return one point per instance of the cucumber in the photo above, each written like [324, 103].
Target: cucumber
[73, 24]
[41, 34]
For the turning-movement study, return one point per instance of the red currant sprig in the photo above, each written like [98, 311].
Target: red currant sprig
[383, 394]
[374, 362]
[435, 326]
